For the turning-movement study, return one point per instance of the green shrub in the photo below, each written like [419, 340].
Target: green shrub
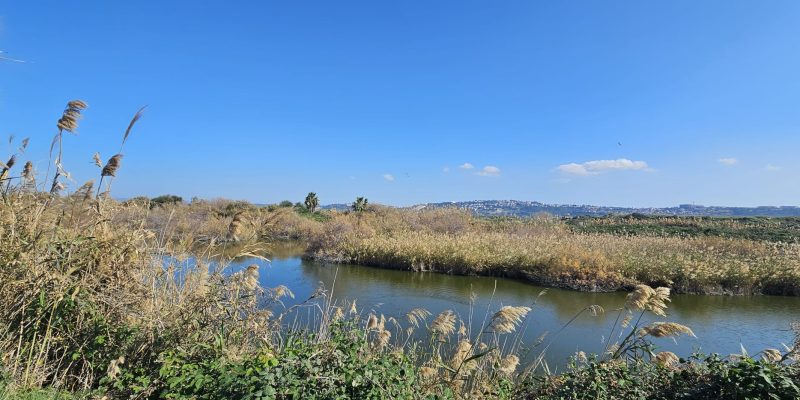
[164, 200]
[699, 377]
[342, 366]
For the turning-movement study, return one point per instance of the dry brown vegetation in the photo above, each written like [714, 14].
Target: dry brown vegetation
[543, 250]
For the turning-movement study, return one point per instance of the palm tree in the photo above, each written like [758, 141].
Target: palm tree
[360, 204]
[312, 202]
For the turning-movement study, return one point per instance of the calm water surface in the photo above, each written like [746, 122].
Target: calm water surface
[722, 324]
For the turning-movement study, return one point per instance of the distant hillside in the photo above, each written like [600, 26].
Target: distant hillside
[518, 208]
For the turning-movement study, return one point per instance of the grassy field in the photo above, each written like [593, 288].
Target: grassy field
[786, 229]
[101, 303]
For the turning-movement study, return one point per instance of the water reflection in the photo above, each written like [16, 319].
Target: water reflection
[721, 323]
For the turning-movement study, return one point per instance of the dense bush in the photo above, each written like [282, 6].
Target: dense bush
[166, 199]
[699, 377]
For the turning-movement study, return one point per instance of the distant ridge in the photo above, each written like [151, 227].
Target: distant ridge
[517, 208]
[520, 208]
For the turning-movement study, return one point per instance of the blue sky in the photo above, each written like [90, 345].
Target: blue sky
[614, 103]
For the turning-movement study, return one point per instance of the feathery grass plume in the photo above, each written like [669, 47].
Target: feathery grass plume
[110, 169]
[626, 321]
[639, 297]
[507, 318]
[580, 357]
[462, 329]
[383, 338]
[372, 322]
[417, 316]
[666, 359]
[461, 353]
[97, 160]
[509, 364]
[381, 323]
[353, 309]
[646, 298]
[444, 323]
[27, 170]
[338, 314]
[28, 174]
[280, 291]
[24, 145]
[246, 279]
[69, 119]
[85, 191]
[658, 301]
[772, 356]
[235, 227]
[251, 281]
[665, 329]
[130, 126]
[595, 310]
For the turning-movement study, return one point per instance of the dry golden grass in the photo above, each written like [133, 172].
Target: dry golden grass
[544, 251]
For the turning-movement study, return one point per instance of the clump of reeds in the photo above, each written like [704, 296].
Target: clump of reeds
[69, 123]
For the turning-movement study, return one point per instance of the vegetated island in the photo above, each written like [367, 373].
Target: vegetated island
[689, 254]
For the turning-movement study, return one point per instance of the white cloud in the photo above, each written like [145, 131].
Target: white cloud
[489, 170]
[466, 165]
[388, 177]
[772, 168]
[728, 161]
[599, 166]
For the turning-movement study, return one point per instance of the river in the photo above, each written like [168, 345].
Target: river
[722, 324]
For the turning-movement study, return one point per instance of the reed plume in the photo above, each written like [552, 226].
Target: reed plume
[461, 353]
[69, 119]
[417, 316]
[28, 174]
[110, 169]
[509, 364]
[772, 356]
[665, 329]
[444, 323]
[372, 322]
[507, 318]
[666, 359]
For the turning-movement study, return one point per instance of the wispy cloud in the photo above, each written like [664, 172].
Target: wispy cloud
[466, 165]
[728, 161]
[596, 167]
[489, 170]
[388, 177]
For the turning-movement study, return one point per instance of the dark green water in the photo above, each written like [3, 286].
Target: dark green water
[722, 324]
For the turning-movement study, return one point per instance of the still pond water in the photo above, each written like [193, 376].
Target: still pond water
[722, 323]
